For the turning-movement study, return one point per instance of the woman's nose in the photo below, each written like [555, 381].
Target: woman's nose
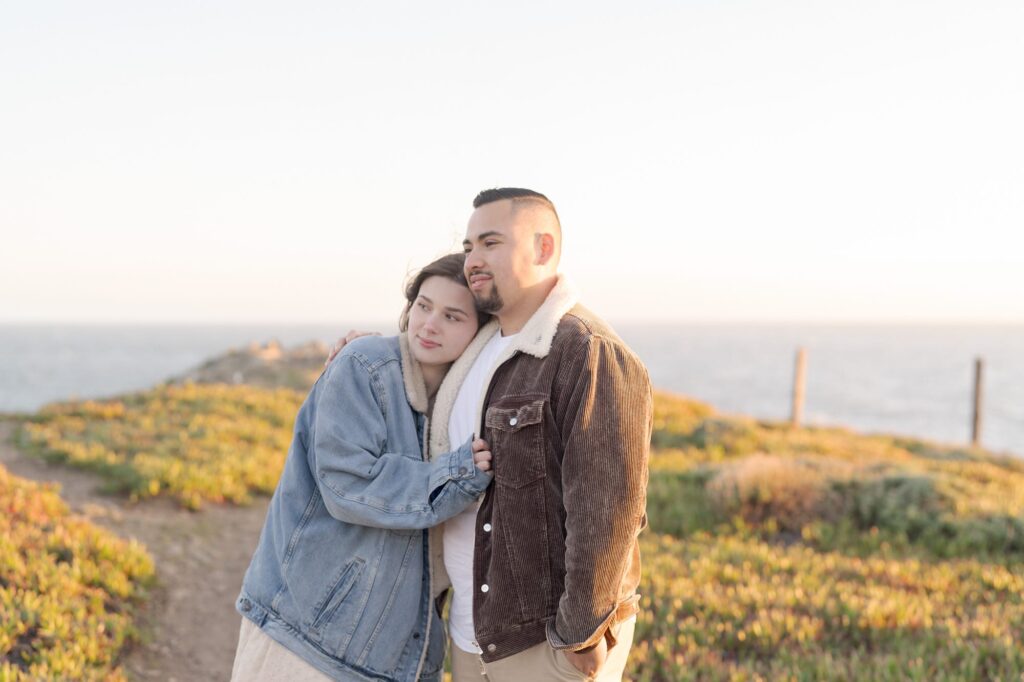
[430, 324]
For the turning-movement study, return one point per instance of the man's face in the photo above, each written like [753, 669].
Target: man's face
[500, 255]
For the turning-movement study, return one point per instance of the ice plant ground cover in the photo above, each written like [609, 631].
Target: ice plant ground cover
[68, 589]
[772, 553]
[192, 442]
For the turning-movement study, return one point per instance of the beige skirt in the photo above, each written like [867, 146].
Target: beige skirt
[259, 658]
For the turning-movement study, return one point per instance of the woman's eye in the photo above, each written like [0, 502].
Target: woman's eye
[423, 306]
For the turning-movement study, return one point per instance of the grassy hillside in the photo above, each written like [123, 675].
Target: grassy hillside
[772, 553]
[68, 589]
[192, 442]
[825, 554]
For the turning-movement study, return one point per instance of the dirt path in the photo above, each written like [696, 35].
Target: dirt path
[190, 627]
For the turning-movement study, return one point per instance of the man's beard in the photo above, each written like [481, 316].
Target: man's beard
[492, 303]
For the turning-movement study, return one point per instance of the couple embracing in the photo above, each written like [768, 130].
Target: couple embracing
[495, 451]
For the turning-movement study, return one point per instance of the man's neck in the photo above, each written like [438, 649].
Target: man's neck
[514, 319]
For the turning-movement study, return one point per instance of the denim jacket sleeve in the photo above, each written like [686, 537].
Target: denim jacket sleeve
[362, 484]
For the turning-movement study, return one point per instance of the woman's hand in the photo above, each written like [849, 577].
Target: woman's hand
[348, 338]
[482, 454]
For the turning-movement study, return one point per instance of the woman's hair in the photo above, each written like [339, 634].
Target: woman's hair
[449, 267]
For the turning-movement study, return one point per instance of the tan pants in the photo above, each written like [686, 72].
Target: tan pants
[541, 663]
[261, 659]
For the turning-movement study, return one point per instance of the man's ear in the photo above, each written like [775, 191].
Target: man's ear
[544, 247]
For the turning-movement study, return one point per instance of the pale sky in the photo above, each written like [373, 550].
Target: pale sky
[711, 161]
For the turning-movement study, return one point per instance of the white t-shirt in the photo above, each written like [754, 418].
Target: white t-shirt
[460, 531]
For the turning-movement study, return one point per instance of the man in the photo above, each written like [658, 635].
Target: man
[545, 571]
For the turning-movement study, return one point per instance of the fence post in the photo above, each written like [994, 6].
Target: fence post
[799, 387]
[979, 368]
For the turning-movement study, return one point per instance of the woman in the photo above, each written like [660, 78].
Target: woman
[340, 584]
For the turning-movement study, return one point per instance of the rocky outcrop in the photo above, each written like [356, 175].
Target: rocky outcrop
[268, 365]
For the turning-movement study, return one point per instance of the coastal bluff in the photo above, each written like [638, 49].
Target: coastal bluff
[266, 365]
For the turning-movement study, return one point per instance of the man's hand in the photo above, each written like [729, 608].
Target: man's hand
[348, 338]
[482, 454]
[590, 662]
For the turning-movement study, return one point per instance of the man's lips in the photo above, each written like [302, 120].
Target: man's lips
[478, 281]
[427, 344]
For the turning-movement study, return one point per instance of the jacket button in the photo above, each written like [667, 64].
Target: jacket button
[487, 528]
[462, 471]
[416, 635]
[246, 605]
[513, 421]
[492, 648]
[484, 588]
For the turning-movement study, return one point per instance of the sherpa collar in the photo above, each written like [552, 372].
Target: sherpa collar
[412, 376]
[444, 401]
[535, 338]
[538, 333]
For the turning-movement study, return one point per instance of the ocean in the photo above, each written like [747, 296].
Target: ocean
[908, 380]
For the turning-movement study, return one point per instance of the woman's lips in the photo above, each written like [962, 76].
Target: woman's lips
[427, 344]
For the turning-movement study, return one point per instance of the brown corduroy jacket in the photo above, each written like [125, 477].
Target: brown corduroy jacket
[568, 417]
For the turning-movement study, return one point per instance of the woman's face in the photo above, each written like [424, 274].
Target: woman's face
[442, 321]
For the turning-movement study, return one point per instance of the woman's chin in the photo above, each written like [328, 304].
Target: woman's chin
[428, 357]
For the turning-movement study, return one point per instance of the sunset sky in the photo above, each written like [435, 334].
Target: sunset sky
[711, 161]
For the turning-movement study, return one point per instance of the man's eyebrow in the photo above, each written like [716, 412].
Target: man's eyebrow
[484, 235]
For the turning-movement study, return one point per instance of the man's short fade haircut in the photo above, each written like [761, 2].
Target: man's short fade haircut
[517, 195]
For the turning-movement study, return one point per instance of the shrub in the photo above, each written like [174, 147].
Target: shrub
[675, 418]
[678, 505]
[902, 503]
[732, 437]
[762, 487]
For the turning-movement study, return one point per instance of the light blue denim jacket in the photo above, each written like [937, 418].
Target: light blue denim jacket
[341, 576]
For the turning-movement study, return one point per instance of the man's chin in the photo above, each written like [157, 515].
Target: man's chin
[489, 303]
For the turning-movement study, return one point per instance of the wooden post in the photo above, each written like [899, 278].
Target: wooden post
[979, 368]
[799, 387]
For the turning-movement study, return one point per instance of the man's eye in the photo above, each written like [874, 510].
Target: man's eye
[489, 243]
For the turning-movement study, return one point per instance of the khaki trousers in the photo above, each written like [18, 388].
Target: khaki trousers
[261, 659]
[541, 663]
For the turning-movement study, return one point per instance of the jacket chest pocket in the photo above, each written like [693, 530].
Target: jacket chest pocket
[516, 430]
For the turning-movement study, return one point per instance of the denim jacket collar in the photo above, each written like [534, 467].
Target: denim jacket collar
[412, 377]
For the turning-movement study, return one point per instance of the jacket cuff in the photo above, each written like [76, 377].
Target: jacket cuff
[622, 612]
[465, 473]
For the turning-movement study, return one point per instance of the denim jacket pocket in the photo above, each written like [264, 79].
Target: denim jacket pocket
[327, 609]
[516, 429]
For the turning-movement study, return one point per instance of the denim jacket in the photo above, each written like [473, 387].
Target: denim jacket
[341, 575]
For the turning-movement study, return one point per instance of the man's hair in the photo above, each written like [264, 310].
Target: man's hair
[448, 267]
[517, 195]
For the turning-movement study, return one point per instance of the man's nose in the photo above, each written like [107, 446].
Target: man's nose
[472, 261]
